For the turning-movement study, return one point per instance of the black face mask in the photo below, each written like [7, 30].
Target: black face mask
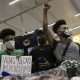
[41, 39]
[65, 34]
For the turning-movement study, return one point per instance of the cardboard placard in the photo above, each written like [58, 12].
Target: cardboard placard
[16, 66]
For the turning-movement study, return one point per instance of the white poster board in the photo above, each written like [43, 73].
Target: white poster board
[16, 66]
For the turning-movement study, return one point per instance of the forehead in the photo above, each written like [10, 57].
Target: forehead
[62, 27]
[8, 37]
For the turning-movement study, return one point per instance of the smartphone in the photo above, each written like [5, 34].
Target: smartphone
[41, 60]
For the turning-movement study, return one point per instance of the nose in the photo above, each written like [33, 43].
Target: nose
[66, 30]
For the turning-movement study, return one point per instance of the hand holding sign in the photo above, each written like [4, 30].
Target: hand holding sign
[16, 67]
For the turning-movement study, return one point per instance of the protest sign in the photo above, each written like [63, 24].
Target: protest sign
[16, 66]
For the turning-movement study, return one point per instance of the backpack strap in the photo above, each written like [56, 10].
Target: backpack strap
[63, 55]
[66, 48]
[54, 45]
[78, 46]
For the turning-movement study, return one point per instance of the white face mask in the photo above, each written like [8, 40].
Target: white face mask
[10, 44]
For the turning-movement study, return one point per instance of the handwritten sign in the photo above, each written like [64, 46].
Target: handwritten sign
[16, 66]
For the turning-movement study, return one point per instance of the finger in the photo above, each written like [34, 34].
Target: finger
[42, 63]
[47, 5]
[46, 61]
[42, 66]
[18, 57]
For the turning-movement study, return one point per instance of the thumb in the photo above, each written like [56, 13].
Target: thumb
[18, 56]
[45, 60]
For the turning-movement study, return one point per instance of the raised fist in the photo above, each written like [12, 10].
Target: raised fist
[26, 42]
[46, 6]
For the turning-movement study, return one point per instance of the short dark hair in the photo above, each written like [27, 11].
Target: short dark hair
[58, 24]
[6, 32]
[38, 32]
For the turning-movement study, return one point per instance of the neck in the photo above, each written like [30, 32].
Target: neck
[64, 40]
[43, 44]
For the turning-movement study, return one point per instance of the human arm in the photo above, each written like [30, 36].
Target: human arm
[47, 33]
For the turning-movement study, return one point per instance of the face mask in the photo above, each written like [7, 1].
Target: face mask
[41, 40]
[65, 34]
[10, 44]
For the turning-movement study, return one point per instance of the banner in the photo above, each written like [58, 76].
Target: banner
[16, 66]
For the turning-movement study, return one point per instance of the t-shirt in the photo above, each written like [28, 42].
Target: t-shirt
[13, 53]
[39, 53]
[72, 53]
